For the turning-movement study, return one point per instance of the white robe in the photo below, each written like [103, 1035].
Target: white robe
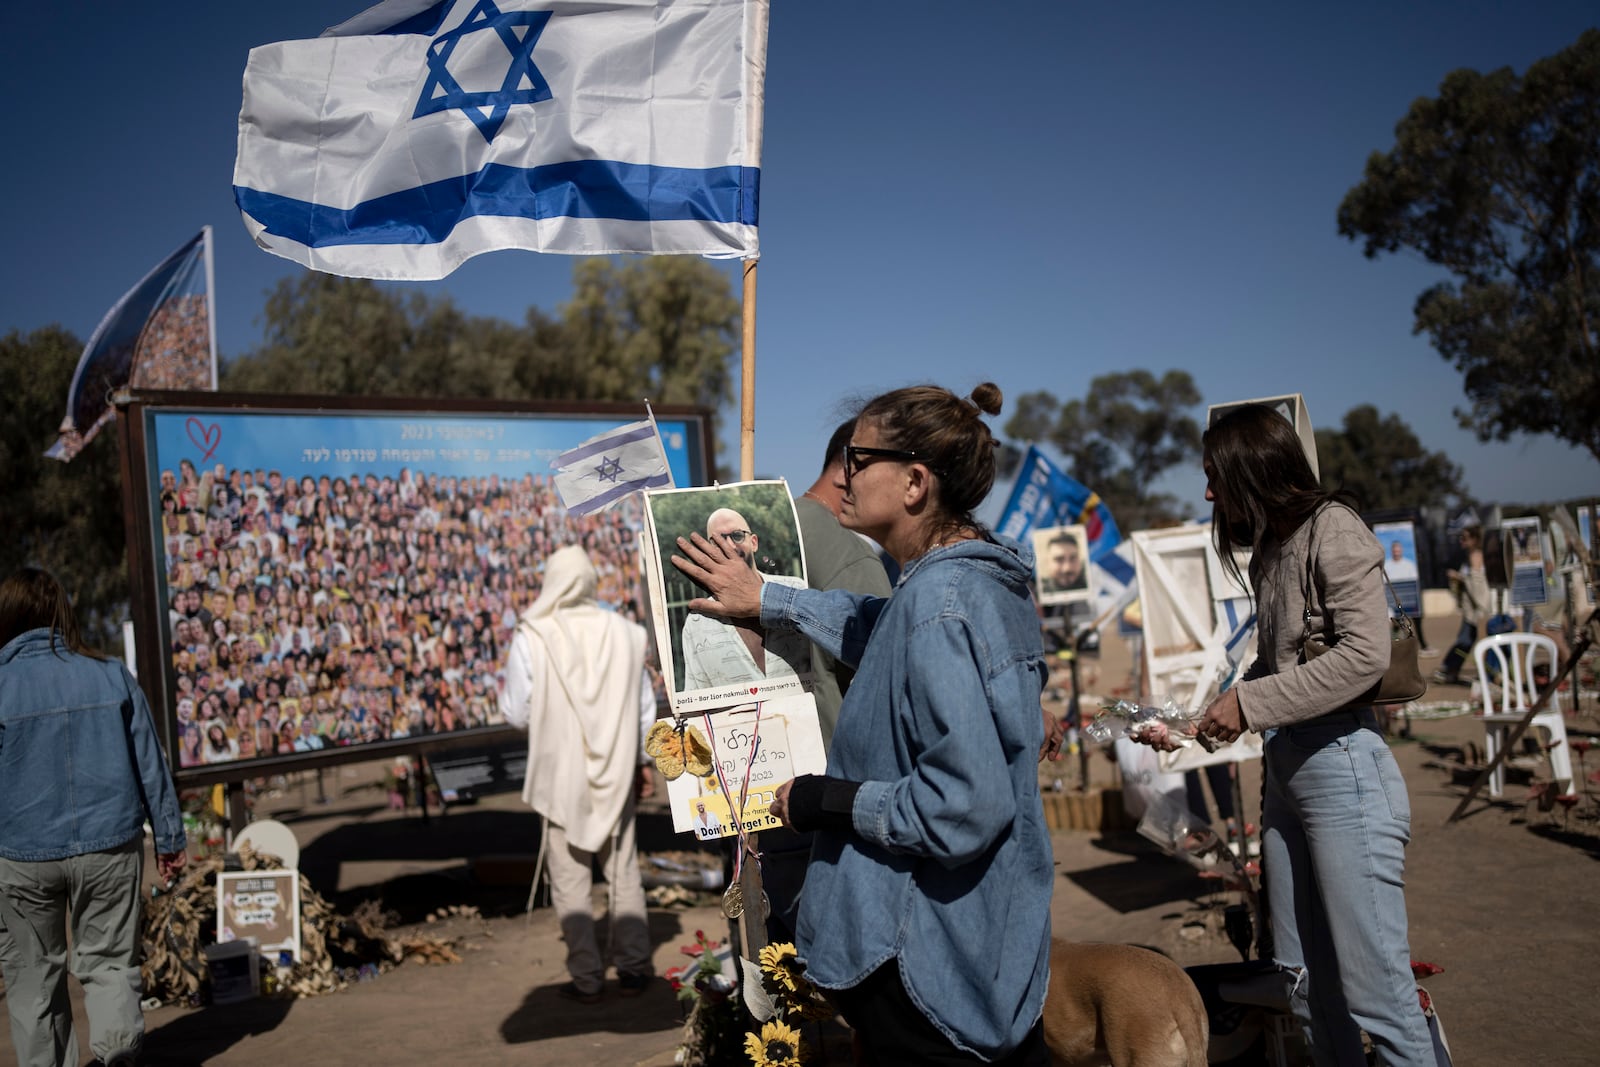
[573, 682]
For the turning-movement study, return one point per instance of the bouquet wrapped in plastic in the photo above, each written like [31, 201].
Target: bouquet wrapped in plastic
[1146, 723]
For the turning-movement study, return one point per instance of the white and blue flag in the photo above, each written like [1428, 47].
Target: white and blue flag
[417, 135]
[609, 466]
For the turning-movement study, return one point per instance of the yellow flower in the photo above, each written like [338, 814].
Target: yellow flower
[782, 969]
[776, 1046]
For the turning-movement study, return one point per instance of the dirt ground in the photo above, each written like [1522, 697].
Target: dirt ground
[1502, 899]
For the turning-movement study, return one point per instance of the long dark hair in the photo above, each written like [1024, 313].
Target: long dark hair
[950, 438]
[32, 599]
[1261, 481]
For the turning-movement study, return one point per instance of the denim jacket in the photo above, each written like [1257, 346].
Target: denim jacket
[80, 768]
[949, 866]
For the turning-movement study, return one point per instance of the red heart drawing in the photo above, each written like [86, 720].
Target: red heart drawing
[753, 689]
[210, 437]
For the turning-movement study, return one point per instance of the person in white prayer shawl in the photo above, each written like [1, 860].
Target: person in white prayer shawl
[576, 682]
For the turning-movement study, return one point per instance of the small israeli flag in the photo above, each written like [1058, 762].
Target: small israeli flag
[609, 466]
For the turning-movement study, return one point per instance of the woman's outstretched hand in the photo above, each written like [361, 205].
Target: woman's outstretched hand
[732, 582]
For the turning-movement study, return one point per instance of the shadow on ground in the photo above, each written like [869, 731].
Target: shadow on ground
[1147, 879]
[466, 834]
[545, 1014]
[204, 1036]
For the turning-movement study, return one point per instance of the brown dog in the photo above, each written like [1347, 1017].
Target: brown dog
[1122, 1005]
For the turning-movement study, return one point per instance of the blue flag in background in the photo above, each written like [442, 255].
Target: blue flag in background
[160, 335]
[1045, 496]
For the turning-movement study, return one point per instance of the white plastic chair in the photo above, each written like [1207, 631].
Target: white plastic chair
[1506, 701]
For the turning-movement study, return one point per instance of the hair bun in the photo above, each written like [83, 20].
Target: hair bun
[987, 398]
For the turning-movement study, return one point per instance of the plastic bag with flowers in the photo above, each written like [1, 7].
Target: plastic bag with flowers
[1148, 723]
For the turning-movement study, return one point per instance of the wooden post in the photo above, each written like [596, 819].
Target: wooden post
[747, 376]
[755, 919]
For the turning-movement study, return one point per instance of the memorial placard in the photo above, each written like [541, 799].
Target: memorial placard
[264, 905]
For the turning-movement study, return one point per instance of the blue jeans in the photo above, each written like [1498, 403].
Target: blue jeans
[1335, 823]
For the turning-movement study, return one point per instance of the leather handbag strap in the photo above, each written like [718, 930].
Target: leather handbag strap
[1402, 621]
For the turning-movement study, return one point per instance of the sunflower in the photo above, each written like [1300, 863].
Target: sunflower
[776, 1046]
[781, 968]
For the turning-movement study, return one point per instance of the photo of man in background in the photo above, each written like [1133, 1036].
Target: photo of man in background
[1397, 566]
[1061, 563]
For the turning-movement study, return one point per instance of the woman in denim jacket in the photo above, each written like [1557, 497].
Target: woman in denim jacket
[1335, 818]
[80, 772]
[926, 907]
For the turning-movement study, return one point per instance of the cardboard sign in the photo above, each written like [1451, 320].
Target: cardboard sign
[1399, 543]
[264, 905]
[754, 754]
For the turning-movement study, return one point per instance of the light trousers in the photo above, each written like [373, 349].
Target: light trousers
[1335, 823]
[98, 894]
[571, 894]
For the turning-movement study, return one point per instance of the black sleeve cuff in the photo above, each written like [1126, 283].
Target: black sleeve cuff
[817, 802]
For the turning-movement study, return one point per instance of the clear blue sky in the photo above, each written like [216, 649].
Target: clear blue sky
[1033, 193]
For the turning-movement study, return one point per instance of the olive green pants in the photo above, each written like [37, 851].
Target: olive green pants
[98, 895]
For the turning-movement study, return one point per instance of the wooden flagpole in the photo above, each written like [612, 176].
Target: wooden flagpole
[755, 919]
[747, 379]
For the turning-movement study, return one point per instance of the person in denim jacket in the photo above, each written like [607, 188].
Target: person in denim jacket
[80, 772]
[926, 906]
[1335, 815]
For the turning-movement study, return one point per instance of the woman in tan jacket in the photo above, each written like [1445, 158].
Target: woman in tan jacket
[1335, 814]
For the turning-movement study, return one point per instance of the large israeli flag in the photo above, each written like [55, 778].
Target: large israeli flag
[417, 135]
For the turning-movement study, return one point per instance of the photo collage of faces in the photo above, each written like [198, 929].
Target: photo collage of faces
[311, 612]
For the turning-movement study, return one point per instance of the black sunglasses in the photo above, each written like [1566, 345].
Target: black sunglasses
[852, 454]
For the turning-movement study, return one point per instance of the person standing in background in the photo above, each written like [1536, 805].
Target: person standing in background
[836, 558]
[1335, 815]
[576, 682]
[1470, 583]
[80, 773]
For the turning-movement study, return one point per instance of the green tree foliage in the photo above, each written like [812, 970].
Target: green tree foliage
[656, 326]
[334, 336]
[661, 327]
[66, 517]
[1378, 458]
[1131, 428]
[1498, 181]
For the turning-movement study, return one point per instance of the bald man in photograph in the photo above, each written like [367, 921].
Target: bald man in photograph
[719, 651]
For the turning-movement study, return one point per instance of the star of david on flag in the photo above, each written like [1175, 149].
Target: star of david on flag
[609, 466]
[417, 135]
[522, 84]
